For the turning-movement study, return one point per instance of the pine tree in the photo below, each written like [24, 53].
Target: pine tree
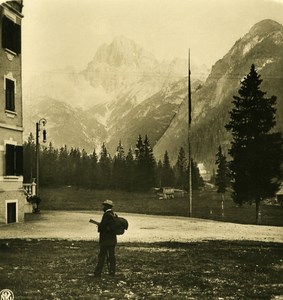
[149, 165]
[139, 160]
[93, 170]
[104, 168]
[222, 177]
[84, 171]
[159, 171]
[145, 164]
[64, 169]
[167, 175]
[49, 166]
[119, 168]
[256, 152]
[181, 175]
[139, 150]
[213, 176]
[43, 164]
[130, 178]
[197, 180]
[74, 157]
[29, 159]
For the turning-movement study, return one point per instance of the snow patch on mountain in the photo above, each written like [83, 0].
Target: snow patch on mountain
[248, 46]
[278, 38]
[265, 63]
[104, 118]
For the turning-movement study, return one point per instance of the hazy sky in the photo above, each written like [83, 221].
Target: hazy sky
[57, 33]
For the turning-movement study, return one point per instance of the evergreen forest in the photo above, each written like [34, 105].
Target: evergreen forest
[133, 170]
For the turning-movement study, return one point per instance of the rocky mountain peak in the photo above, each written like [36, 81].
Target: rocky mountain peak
[121, 52]
[264, 27]
[268, 32]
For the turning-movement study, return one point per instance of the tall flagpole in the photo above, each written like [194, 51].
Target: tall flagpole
[189, 137]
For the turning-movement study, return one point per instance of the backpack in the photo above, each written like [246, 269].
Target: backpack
[121, 224]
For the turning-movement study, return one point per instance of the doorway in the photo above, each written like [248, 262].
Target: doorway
[11, 212]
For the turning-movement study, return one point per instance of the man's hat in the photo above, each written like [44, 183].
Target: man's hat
[108, 202]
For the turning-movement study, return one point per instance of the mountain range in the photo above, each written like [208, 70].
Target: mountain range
[262, 46]
[125, 91]
[116, 97]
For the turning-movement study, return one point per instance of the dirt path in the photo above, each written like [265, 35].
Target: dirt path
[142, 228]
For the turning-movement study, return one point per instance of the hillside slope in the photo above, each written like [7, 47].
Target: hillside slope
[262, 46]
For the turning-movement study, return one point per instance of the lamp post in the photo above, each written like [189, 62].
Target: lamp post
[41, 123]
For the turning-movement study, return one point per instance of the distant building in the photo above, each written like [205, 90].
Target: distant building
[203, 172]
[12, 197]
[169, 193]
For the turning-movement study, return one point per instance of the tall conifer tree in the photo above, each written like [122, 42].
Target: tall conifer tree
[105, 165]
[29, 159]
[167, 177]
[84, 170]
[181, 175]
[256, 152]
[149, 165]
[74, 157]
[197, 180]
[93, 170]
[159, 172]
[130, 171]
[64, 168]
[145, 164]
[222, 177]
[119, 168]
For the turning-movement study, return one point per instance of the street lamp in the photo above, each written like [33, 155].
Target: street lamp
[41, 123]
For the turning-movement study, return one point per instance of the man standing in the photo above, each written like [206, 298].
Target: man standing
[107, 239]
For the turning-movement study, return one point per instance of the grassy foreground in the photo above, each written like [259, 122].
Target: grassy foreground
[58, 269]
[206, 204]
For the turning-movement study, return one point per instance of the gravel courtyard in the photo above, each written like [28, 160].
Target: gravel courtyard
[74, 225]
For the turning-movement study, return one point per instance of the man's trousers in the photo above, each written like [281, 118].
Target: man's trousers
[108, 253]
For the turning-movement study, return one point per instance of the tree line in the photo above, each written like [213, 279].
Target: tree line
[134, 170]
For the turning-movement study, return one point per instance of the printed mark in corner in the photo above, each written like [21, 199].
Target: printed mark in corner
[6, 294]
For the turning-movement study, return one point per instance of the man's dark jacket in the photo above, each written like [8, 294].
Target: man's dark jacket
[107, 236]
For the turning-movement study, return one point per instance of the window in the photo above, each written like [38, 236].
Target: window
[10, 94]
[14, 160]
[11, 35]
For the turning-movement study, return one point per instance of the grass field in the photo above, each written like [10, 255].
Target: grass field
[206, 204]
[58, 269]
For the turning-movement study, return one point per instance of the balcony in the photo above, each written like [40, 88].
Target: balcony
[30, 191]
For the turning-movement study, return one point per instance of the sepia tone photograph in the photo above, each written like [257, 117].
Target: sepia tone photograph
[141, 149]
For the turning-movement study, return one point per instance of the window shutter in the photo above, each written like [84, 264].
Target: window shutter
[10, 167]
[5, 38]
[19, 160]
[7, 33]
[11, 35]
[17, 38]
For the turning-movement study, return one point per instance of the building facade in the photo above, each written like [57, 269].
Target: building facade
[12, 195]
